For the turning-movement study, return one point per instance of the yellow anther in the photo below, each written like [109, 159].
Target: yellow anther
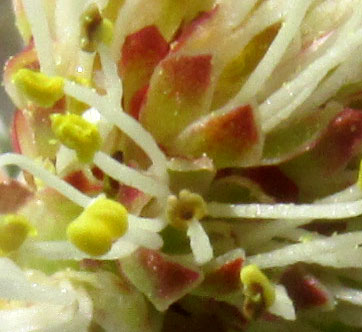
[181, 210]
[105, 32]
[14, 229]
[38, 88]
[95, 29]
[359, 181]
[92, 238]
[78, 134]
[103, 222]
[112, 214]
[257, 284]
[306, 238]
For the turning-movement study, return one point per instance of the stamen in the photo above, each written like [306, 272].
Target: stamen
[95, 29]
[286, 211]
[184, 212]
[36, 15]
[112, 80]
[275, 52]
[78, 134]
[124, 122]
[129, 176]
[38, 88]
[101, 223]
[50, 179]
[180, 211]
[259, 291]
[359, 181]
[14, 229]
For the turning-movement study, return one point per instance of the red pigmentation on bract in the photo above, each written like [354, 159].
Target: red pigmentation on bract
[341, 141]
[274, 182]
[225, 279]
[80, 181]
[188, 75]
[235, 130]
[146, 45]
[230, 139]
[304, 289]
[192, 28]
[137, 101]
[177, 96]
[170, 277]
[140, 54]
[13, 195]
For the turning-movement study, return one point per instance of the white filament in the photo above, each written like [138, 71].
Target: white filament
[127, 10]
[64, 250]
[14, 285]
[316, 71]
[148, 224]
[129, 176]
[123, 121]
[286, 211]
[40, 29]
[275, 52]
[349, 71]
[238, 11]
[264, 232]
[112, 80]
[337, 251]
[275, 109]
[50, 179]
[143, 238]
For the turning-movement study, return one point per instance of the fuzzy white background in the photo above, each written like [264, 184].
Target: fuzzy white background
[9, 45]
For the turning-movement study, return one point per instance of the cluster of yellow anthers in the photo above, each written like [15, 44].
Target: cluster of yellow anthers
[99, 225]
[70, 129]
[104, 220]
[14, 229]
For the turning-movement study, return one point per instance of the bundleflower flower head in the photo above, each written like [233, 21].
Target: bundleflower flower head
[199, 167]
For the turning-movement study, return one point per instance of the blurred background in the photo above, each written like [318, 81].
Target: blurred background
[10, 44]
